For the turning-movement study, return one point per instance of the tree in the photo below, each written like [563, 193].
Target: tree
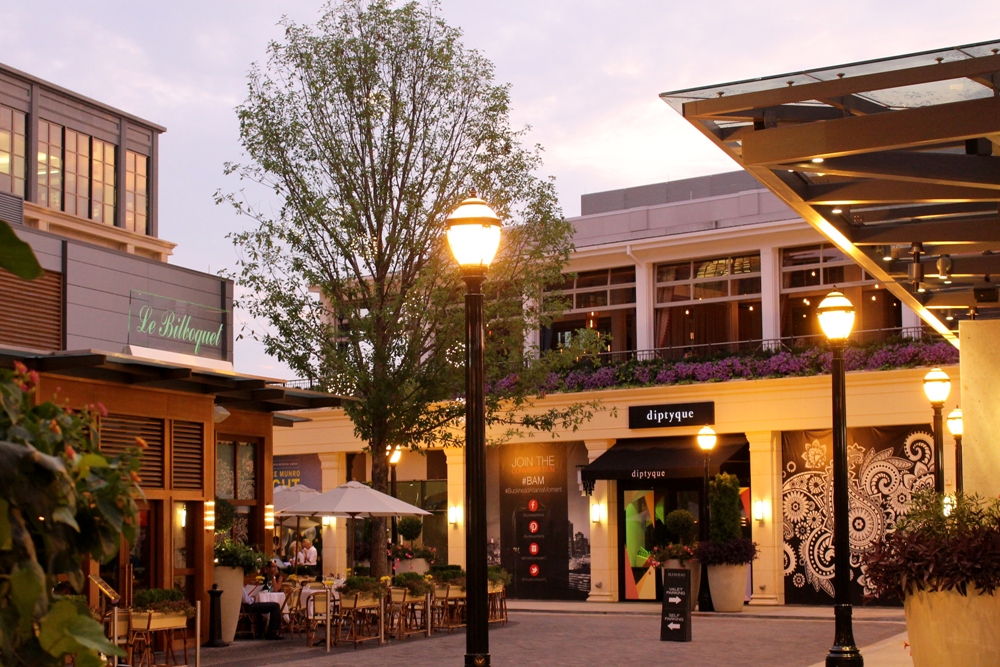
[370, 128]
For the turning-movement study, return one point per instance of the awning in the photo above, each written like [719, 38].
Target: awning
[662, 458]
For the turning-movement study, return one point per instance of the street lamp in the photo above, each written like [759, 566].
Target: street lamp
[937, 386]
[393, 460]
[474, 237]
[836, 318]
[955, 426]
[706, 441]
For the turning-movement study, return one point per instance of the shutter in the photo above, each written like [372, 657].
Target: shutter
[31, 311]
[118, 433]
[187, 454]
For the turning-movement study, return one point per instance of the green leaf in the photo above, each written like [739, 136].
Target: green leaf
[6, 543]
[27, 585]
[16, 256]
[64, 515]
[68, 629]
[93, 461]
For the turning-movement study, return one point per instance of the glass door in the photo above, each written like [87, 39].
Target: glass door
[133, 567]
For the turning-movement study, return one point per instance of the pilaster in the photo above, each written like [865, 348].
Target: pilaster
[765, 486]
[333, 466]
[603, 534]
[644, 306]
[455, 458]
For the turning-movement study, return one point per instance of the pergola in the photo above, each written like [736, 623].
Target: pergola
[892, 160]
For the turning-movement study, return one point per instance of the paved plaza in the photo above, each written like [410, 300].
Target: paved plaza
[780, 638]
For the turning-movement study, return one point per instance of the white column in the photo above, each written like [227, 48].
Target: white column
[644, 306]
[979, 397]
[765, 485]
[335, 558]
[603, 535]
[770, 293]
[912, 323]
[455, 457]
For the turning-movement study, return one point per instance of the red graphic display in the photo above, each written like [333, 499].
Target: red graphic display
[533, 548]
[532, 505]
[534, 570]
[532, 527]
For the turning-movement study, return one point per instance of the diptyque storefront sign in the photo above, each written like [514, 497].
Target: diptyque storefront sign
[674, 414]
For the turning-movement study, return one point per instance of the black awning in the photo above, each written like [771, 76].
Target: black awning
[662, 458]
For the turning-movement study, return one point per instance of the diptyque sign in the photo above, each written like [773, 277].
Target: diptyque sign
[675, 618]
[674, 414]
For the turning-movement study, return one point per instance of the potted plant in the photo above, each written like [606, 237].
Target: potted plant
[681, 554]
[410, 558]
[169, 607]
[233, 561]
[418, 585]
[452, 575]
[363, 591]
[726, 554]
[498, 578]
[943, 561]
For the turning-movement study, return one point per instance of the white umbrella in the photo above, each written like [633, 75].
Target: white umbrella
[353, 499]
[286, 496]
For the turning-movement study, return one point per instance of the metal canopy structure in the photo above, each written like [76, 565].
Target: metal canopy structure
[894, 160]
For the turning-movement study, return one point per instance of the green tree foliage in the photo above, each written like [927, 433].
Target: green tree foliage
[409, 528]
[724, 502]
[370, 127]
[60, 500]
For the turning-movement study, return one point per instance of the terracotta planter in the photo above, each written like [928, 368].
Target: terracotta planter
[418, 565]
[728, 585]
[694, 565]
[947, 629]
[230, 580]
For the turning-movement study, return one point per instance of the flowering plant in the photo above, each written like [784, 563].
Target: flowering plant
[661, 554]
[399, 552]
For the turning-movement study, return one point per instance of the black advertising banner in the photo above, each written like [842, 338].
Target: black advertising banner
[675, 619]
[298, 469]
[885, 466]
[674, 414]
[534, 524]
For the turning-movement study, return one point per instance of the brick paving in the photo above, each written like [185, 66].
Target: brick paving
[558, 639]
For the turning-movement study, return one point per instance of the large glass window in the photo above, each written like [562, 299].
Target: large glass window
[236, 482]
[12, 151]
[706, 279]
[602, 288]
[136, 198]
[77, 200]
[102, 182]
[50, 172]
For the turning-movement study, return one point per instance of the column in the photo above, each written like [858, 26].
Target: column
[770, 293]
[980, 400]
[644, 306]
[603, 535]
[765, 485]
[911, 323]
[455, 457]
[335, 557]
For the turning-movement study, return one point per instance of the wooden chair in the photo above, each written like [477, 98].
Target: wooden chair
[416, 615]
[140, 638]
[396, 613]
[498, 604]
[321, 613]
[246, 624]
[359, 619]
[295, 623]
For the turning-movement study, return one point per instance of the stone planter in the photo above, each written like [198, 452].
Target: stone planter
[418, 565]
[694, 565]
[947, 629]
[230, 580]
[728, 585]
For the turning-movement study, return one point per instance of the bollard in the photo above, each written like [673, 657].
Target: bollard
[215, 618]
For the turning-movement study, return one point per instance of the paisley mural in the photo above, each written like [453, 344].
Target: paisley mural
[885, 466]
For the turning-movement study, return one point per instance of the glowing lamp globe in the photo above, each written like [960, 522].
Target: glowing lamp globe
[937, 386]
[395, 456]
[955, 424]
[836, 316]
[707, 438]
[473, 235]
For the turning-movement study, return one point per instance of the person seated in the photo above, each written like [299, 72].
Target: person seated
[271, 609]
[272, 576]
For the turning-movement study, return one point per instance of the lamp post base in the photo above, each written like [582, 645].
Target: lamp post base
[844, 653]
[477, 660]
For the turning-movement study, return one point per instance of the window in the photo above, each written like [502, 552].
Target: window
[50, 171]
[77, 200]
[12, 151]
[615, 287]
[814, 265]
[102, 182]
[236, 481]
[704, 279]
[136, 199]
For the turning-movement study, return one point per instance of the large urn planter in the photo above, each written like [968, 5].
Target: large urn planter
[418, 565]
[728, 586]
[948, 629]
[694, 565]
[230, 581]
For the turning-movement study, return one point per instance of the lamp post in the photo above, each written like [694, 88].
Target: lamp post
[955, 426]
[706, 441]
[474, 237]
[836, 317]
[937, 386]
[393, 460]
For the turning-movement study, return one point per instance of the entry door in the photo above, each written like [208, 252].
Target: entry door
[133, 568]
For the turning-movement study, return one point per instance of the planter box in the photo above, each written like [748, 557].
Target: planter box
[163, 621]
[358, 601]
[495, 587]
[948, 629]
[230, 580]
[418, 565]
[728, 585]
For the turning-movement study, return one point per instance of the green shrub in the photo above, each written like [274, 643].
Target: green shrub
[409, 528]
[225, 515]
[230, 553]
[724, 502]
[368, 586]
[681, 523]
[164, 600]
[414, 582]
[497, 575]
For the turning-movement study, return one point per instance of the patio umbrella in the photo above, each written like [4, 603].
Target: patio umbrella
[286, 496]
[353, 500]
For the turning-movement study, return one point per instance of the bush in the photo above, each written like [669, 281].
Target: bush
[367, 586]
[230, 553]
[732, 552]
[415, 583]
[661, 554]
[933, 552]
[497, 575]
[409, 528]
[225, 515]
[724, 502]
[163, 600]
[681, 523]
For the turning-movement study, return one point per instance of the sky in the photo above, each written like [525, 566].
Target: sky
[585, 77]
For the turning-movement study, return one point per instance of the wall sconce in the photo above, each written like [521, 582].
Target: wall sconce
[454, 515]
[948, 505]
[182, 515]
[209, 516]
[759, 510]
[597, 513]
[268, 517]
[329, 521]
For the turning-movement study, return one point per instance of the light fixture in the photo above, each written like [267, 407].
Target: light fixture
[182, 515]
[948, 505]
[817, 160]
[209, 516]
[329, 521]
[759, 510]
[473, 234]
[219, 414]
[454, 515]
[837, 211]
[597, 512]
[921, 288]
[707, 438]
[955, 424]
[937, 386]
[836, 316]
[944, 265]
[268, 517]
[397, 453]
[885, 252]
[806, 301]
[949, 316]
[751, 309]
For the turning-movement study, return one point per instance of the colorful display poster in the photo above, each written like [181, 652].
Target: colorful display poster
[886, 465]
[301, 469]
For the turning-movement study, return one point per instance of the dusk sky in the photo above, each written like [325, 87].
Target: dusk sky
[585, 75]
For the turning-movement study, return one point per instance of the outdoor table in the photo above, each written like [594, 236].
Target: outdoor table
[267, 596]
[305, 600]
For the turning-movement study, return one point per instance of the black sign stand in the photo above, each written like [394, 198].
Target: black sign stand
[675, 619]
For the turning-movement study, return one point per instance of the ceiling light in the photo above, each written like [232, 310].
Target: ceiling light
[885, 252]
[837, 211]
[817, 160]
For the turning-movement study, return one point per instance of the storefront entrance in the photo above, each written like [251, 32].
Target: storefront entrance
[134, 568]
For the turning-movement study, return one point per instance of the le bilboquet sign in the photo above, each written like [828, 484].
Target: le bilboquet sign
[670, 415]
[178, 326]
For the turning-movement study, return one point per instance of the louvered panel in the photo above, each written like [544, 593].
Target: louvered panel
[31, 311]
[118, 433]
[187, 453]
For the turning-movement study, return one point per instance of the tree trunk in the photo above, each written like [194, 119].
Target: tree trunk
[380, 482]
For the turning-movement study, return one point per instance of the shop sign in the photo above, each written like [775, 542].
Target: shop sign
[172, 325]
[675, 618]
[298, 469]
[674, 414]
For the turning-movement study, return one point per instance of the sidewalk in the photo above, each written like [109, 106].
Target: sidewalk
[891, 652]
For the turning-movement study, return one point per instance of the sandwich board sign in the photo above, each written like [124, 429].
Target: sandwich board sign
[675, 618]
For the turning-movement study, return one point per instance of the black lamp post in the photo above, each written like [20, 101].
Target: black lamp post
[393, 460]
[836, 317]
[474, 237]
[956, 426]
[706, 440]
[937, 386]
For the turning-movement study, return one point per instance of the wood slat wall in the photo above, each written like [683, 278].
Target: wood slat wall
[118, 433]
[188, 455]
[31, 311]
